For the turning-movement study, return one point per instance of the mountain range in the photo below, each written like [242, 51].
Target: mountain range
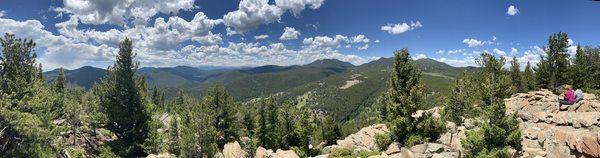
[331, 85]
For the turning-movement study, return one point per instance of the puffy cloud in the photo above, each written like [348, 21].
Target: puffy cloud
[451, 51]
[120, 11]
[289, 33]
[57, 51]
[396, 29]
[419, 56]
[365, 47]
[297, 6]
[471, 42]
[376, 41]
[261, 37]
[210, 39]
[325, 41]
[360, 39]
[2, 13]
[469, 61]
[513, 51]
[252, 13]
[512, 10]
[163, 35]
[161, 45]
[499, 52]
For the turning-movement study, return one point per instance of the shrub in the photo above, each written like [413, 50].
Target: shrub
[383, 141]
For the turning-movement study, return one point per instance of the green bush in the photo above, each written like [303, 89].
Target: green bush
[340, 152]
[383, 141]
[76, 152]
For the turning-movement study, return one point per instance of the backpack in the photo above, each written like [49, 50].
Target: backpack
[578, 95]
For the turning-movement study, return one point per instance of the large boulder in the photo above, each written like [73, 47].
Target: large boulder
[263, 153]
[285, 154]
[233, 150]
[365, 138]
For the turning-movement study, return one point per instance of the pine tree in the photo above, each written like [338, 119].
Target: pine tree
[263, 133]
[553, 68]
[18, 66]
[304, 128]
[249, 123]
[226, 121]
[122, 101]
[528, 78]
[498, 130]
[404, 98]
[515, 75]
[267, 124]
[581, 70]
[456, 104]
[331, 130]
[25, 103]
[59, 82]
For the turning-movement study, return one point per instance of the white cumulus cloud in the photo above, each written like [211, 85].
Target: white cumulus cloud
[512, 10]
[289, 33]
[396, 29]
[261, 37]
[252, 13]
[365, 47]
[360, 39]
[121, 11]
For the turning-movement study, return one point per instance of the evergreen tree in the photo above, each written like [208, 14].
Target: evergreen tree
[405, 97]
[304, 129]
[122, 101]
[553, 69]
[249, 123]
[267, 124]
[581, 70]
[528, 78]
[25, 103]
[515, 75]
[456, 104]
[331, 130]
[18, 66]
[498, 130]
[59, 82]
[219, 100]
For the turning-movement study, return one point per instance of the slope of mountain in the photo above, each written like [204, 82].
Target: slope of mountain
[85, 76]
[345, 94]
[331, 85]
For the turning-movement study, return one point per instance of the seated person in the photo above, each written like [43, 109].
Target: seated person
[568, 99]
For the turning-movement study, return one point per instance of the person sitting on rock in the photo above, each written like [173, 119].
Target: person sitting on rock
[568, 99]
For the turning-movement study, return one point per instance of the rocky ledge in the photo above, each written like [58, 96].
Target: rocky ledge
[549, 132]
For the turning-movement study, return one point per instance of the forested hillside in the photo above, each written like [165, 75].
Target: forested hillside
[317, 83]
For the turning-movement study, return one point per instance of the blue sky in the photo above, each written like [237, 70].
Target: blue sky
[75, 33]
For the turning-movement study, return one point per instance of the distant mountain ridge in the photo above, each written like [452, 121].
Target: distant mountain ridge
[319, 80]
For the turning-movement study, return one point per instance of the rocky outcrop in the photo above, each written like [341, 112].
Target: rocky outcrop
[264, 153]
[233, 150]
[548, 132]
[364, 139]
[546, 101]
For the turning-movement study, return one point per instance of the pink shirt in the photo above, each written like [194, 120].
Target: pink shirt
[570, 96]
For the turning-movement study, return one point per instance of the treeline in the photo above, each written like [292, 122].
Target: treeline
[121, 117]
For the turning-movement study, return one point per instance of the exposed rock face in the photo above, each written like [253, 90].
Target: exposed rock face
[233, 150]
[264, 153]
[364, 139]
[548, 132]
